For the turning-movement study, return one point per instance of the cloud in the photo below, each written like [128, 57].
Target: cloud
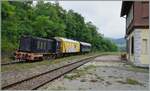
[104, 14]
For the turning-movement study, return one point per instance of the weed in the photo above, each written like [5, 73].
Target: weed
[79, 72]
[122, 82]
[108, 83]
[27, 65]
[137, 69]
[93, 80]
[81, 88]
[99, 78]
[60, 88]
[130, 81]
[104, 71]
[68, 77]
[83, 80]
[114, 77]
[90, 73]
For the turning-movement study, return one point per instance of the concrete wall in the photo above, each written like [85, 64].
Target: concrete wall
[141, 55]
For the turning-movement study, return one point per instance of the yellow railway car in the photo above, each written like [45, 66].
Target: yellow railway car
[69, 46]
[34, 48]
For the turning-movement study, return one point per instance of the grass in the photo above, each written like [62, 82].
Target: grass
[130, 81]
[122, 82]
[93, 80]
[9, 57]
[79, 72]
[108, 83]
[6, 59]
[28, 65]
[83, 80]
[114, 77]
[137, 69]
[72, 77]
[59, 88]
[99, 78]
[24, 66]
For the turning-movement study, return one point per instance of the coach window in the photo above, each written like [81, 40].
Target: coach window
[74, 46]
[44, 45]
[38, 44]
[41, 44]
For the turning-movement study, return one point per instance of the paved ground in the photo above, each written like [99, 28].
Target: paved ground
[103, 73]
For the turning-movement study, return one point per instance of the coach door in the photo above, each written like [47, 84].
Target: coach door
[58, 46]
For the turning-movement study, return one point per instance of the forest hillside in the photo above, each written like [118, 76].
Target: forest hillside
[47, 20]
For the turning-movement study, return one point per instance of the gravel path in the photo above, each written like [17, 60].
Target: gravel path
[14, 76]
[103, 73]
[42, 79]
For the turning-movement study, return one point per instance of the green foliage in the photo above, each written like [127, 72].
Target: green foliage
[47, 20]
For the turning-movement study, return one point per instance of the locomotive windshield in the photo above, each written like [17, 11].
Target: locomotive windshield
[25, 44]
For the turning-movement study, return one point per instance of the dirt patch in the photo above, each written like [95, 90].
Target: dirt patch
[104, 75]
[17, 72]
[79, 72]
[108, 58]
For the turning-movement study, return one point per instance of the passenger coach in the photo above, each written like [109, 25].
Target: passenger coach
[35, 48]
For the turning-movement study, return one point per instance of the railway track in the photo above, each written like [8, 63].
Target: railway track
[39, 80]
[17, 62]
[13, 62]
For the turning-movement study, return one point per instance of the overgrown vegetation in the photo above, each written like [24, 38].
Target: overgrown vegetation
[47, 20]
[130, 81]
[29, 65]
[79, 72]
[136, 69]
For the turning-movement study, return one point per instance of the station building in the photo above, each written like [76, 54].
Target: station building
[137, 35]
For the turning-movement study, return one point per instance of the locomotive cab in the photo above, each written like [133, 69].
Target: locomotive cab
[33, 48]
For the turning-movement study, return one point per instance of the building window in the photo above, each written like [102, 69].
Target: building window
[132, 45]
[129, 17]
[127, 46]
[144, 46]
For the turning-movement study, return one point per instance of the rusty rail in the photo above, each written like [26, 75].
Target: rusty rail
[39, 80]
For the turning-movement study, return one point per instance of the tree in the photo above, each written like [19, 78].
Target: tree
[47, 20]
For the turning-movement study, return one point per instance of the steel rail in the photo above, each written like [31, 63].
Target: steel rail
[13, 62]
[27, 84]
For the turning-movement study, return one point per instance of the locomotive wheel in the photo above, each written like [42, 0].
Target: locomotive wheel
[54, 56]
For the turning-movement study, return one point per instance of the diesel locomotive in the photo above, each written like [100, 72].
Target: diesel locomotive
[35, 48]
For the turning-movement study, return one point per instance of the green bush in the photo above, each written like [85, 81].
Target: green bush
[47, 20]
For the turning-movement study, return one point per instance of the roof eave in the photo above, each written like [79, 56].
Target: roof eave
[125, 7]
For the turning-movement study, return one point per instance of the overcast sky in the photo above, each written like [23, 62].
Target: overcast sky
[104, 14]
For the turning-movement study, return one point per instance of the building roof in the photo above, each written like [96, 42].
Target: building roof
[84, 43]
[68, 40]
[125, 7]
[33, 37]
